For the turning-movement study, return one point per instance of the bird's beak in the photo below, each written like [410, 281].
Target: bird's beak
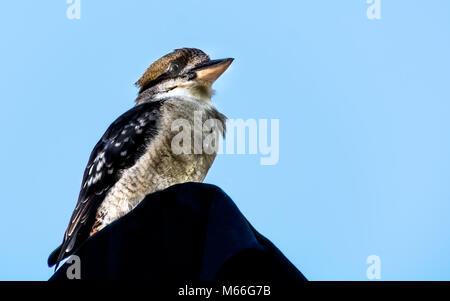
[211, 70]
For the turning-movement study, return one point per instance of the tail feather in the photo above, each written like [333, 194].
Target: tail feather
[53, 259]
[65, 249]
[57, 256]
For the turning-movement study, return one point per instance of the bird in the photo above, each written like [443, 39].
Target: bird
[135, 156]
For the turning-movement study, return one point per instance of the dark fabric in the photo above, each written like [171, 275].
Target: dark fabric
[189, 231]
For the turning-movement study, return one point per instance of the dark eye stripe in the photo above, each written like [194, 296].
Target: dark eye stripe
[174, 70]
[177, 65]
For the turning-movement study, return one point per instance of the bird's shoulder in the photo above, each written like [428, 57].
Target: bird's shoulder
[122, 142]
[118, 149]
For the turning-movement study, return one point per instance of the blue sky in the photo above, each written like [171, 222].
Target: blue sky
[363, 107]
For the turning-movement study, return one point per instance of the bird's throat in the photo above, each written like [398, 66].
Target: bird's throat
[198, 92]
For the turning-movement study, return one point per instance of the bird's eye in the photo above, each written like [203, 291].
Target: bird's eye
[174, 68]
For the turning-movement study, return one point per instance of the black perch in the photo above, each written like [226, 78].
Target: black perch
[189, 231]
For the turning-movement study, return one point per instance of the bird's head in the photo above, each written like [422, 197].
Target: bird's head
[185, 72]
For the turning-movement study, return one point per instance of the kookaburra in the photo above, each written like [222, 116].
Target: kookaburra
[135, 156]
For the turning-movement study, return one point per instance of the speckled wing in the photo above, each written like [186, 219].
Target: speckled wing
[119, 148]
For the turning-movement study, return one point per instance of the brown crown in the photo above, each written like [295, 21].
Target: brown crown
[183, 56]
